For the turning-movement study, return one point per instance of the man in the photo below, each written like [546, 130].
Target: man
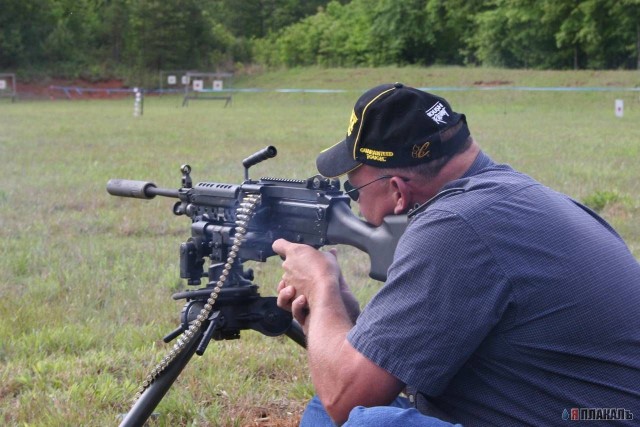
[507, 303]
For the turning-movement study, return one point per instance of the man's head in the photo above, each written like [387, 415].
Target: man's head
[395, 126]
[398, 148]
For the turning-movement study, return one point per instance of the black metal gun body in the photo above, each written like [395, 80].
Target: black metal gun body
[313, 211]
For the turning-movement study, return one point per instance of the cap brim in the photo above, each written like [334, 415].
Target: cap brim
[336, 160]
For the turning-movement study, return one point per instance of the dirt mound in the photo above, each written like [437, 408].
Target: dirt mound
[492, 83]
[72, 89]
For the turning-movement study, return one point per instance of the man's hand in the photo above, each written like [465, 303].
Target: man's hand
[313, 289]
[311, 278]
[298, 305]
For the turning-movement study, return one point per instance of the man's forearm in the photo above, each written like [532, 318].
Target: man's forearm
[327, 328]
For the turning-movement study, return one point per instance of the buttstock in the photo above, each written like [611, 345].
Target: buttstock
[378, 242]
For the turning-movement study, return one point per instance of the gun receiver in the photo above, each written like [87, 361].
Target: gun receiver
[312, 211]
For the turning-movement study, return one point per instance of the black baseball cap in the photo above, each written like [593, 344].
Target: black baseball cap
[394, 125]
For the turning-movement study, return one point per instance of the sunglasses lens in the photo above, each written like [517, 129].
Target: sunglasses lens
[351, 191]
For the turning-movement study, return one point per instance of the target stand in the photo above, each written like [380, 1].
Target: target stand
[8, 86]
[206, 86]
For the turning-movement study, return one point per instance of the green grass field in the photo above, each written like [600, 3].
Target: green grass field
[86, 278]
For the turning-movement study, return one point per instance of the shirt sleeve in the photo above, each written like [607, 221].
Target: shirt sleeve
[443, 296]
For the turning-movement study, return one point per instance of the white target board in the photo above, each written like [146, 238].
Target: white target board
[3, 84]
[172, 80]
[619, 108]
[217, 85]
[198, 85]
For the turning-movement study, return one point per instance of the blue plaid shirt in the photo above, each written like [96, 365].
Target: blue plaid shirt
[507, 304]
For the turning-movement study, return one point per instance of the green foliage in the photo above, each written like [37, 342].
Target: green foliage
[169, 35]
[60, 34]
[98, 38]
[335, 36]
[24, 29]
[512, 35]
[451, 23]
[506, 33]
[556, 34]
[399, 32]
[257, 18]
[625, 35]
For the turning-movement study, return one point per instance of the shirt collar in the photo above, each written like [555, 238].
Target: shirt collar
[482, 161]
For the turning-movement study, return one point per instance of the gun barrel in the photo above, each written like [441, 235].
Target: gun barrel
[138, 189]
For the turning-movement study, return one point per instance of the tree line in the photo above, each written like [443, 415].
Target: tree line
[545, 34]
[101, 38]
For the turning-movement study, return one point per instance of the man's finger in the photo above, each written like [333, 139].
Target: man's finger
[300, 309]
[281, 246]
[285, 297]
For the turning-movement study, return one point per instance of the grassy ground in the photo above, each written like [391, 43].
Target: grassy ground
[86, 278]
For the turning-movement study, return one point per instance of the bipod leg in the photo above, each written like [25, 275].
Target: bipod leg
[208, 333]
[147, 402]
[295, 333]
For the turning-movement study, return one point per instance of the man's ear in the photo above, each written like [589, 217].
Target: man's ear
[401, 195]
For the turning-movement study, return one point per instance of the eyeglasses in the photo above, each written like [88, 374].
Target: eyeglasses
[354, 192]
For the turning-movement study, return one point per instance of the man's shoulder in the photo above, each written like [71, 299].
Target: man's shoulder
[470, 195]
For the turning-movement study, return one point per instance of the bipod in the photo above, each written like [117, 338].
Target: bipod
[236, 308]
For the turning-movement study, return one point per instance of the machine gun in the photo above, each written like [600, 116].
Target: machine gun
[231, 224]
